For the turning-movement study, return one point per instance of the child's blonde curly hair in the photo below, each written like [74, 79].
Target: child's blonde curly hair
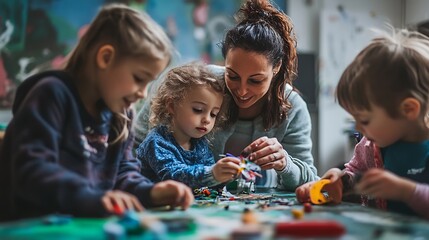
[176, 84]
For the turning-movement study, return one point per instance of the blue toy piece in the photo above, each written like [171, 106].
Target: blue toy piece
[130, 221]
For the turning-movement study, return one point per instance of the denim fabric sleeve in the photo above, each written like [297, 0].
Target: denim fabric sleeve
[167, 161]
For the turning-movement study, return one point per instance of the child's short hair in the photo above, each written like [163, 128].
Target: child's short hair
[391, 68]
[175, 85]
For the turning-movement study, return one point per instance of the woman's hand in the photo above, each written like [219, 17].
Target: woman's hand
[226, 169]
[117, 201]
[173, 193]
[267, 153]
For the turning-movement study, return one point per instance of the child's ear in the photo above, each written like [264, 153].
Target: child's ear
[105, 56]
[170, 107]
[410, 108]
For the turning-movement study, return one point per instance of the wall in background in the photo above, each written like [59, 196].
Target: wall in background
[30, 45]
[37, 34]
[416, 11]
[335, 30]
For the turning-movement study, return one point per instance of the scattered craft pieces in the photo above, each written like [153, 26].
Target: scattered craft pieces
[179, 224]
[308, 208]
[297, 213]
[248, 169]
[130, 221]
[205, 193]
[316, 194]
[113, 230]
[248, 217]
[117, 210]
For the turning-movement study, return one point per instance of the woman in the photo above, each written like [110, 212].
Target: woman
[269, 121]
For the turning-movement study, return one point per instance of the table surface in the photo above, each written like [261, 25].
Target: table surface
[211, 219]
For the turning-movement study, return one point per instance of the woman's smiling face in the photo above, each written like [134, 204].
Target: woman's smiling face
[248, 77]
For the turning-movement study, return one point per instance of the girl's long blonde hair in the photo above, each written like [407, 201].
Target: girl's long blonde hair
[133, 34]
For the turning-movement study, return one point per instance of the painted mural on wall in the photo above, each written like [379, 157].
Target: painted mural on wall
[37, 34]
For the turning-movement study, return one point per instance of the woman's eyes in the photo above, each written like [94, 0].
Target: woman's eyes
[233, 77]
[213, 115]
[253, 81]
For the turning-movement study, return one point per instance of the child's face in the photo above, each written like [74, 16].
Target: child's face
[126, 81]
[379, 127]
[195, 115]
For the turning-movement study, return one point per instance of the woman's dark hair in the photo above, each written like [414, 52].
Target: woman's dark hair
[266, 30]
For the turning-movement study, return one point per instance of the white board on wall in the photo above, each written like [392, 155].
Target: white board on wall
[342, 35]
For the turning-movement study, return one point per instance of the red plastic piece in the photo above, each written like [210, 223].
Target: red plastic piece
[117, 210]
[310, 228]
[308, 208]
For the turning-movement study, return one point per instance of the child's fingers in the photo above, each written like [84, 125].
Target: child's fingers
[108, 204]
[333, 174]
[229, 165]
[303, 193]
[368, 190]
[187, 198]
[233, 160]
[367, 184]
[113, 205]
[229, 171]
[118, 201]
[182, 195]
[126, 202]
[136, 204]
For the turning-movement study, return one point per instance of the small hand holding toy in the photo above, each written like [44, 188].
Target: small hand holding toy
[248, 169]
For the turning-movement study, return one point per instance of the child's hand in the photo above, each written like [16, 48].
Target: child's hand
[303, 192]
[334, 189]
[333, 174]
[226, 169]
[172, 193]
[115, 200]
[380, 183]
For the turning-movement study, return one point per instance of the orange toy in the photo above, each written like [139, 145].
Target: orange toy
[316, 194]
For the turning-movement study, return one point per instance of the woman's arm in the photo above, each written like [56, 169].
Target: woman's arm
[297, 144]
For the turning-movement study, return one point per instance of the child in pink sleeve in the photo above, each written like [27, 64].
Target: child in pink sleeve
[386, 90]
